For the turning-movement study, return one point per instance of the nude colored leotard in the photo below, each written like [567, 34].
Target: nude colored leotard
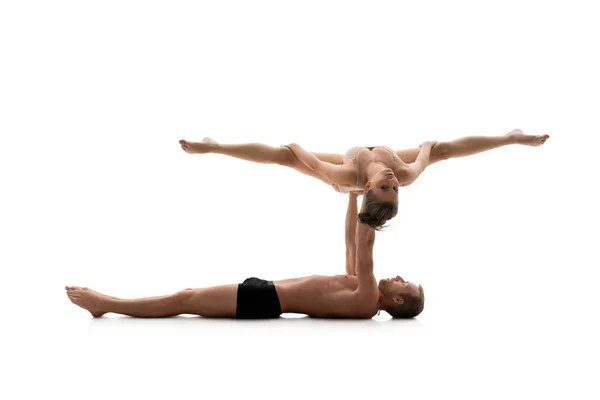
[352, 155]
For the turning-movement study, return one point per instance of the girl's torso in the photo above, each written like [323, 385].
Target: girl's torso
[359, 157]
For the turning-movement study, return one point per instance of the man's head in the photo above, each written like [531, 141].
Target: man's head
[380, 202]
[401, 299]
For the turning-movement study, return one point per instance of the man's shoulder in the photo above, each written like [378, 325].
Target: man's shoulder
[363, 305]
[364, 311]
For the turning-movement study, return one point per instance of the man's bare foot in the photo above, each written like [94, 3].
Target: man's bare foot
[207, 145]
[88, 299]
[529, 140]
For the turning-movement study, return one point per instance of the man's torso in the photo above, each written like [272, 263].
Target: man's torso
[324, 296]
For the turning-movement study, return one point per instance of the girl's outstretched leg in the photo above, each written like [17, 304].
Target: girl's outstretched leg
[257, 152]
[470, 145]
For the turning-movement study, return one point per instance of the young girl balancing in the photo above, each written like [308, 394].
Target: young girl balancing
[377, 171]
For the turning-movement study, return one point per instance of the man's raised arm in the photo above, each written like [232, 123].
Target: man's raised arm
[351, 220]
[365, 240]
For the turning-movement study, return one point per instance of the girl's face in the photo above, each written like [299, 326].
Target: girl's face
[384, 186]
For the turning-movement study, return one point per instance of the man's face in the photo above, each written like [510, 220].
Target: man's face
[398, 287]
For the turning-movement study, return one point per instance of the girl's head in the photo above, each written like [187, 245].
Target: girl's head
[380, 202]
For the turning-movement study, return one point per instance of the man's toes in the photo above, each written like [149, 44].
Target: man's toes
[182, 141]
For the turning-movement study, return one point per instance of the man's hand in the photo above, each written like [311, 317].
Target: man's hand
[354, 193]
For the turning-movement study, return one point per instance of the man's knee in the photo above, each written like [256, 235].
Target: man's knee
[183, 296]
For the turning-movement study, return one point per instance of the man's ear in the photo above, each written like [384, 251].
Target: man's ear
[398, 300]
[367, 186]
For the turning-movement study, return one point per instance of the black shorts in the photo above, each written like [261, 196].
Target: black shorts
[257, 298]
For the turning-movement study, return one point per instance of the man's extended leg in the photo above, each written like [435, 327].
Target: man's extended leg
[217, 301]
[259, 153]
[472, 145]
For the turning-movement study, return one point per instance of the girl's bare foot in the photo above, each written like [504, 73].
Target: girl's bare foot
[207, 145]
[88, 299]
[529, 140]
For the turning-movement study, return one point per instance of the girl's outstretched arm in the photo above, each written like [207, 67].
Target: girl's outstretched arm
[342, 175]
[413, 170]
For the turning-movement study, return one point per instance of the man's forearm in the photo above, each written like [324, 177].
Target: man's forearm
[365, 236]
[351, 221]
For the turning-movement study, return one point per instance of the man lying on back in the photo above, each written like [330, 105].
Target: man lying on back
[354, 295]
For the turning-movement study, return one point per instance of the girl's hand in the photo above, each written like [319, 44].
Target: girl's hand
[429, 143]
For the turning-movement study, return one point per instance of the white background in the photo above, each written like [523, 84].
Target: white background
[97, 192]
